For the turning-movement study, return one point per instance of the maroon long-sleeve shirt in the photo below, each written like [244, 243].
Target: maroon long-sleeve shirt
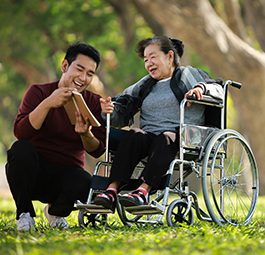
[57, 140]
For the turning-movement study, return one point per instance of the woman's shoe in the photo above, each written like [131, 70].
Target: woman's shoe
[107, 199]
[135, 198]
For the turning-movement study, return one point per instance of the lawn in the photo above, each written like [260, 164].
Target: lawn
[201, 238]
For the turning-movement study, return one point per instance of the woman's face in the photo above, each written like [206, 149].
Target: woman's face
[158, 64]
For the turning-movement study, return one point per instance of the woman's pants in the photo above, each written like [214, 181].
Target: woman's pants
[134, 147]
[31, 177]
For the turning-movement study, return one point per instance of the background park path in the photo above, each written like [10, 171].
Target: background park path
[4, 189]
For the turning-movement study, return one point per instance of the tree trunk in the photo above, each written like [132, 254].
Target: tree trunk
[233, 18]
[126, 17]
[196, 23]
[255, 10]
[29, 72]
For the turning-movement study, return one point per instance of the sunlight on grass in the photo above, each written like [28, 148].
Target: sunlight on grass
[201, 238]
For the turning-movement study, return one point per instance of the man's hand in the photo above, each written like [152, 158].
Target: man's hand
[107, 105]
[82, 127]
[59, 97]
[197, 91]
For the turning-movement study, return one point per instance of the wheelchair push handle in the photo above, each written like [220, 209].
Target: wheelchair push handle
[235, 84]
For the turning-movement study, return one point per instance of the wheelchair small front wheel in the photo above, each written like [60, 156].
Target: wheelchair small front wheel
[86, 219]
[177, 213]
[126, 218]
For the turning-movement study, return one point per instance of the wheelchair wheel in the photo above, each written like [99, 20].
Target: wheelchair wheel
[229, 179]
[86, 219]
[176, 213]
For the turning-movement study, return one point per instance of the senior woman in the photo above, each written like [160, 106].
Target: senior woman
[158, 97]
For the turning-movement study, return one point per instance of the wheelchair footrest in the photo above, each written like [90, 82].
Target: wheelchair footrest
[92, 208]
[143, 210]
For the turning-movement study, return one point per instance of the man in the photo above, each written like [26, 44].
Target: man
[46, 163]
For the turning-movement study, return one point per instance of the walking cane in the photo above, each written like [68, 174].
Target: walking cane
[107, 145]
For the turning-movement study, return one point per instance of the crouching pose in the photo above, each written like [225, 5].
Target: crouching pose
[46, 163]
[157, 96]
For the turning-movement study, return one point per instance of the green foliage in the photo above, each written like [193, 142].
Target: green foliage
[35, 34]
[10, 91]
[201, 238]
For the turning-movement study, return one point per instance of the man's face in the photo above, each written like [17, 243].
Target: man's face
[79, 73]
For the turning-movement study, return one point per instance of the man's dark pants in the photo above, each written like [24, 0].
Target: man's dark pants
[31, 177]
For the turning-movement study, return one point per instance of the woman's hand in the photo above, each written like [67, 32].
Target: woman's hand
[197, 91]
[138, 130]
[107, 105]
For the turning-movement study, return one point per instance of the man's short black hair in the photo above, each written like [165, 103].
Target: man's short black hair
[82, 48]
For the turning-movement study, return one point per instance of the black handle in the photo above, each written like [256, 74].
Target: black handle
[236, 84]
[192, 97]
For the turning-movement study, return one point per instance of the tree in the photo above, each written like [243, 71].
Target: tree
[255, 10]
[33, 42]
[197, 23]
[227, 36]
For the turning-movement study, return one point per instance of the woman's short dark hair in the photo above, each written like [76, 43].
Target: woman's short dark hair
[84, 49]
[165, 43]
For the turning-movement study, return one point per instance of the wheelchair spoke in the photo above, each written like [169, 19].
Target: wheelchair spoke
[176, 212]
[232, 185]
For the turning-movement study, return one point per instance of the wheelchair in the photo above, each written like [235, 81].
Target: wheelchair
[220, 158]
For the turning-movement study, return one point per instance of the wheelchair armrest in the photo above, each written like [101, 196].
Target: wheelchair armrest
[206, 100]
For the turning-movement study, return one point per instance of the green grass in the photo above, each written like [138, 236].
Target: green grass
[201, 238]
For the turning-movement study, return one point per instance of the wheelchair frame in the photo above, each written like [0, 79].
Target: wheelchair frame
[229, 184]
